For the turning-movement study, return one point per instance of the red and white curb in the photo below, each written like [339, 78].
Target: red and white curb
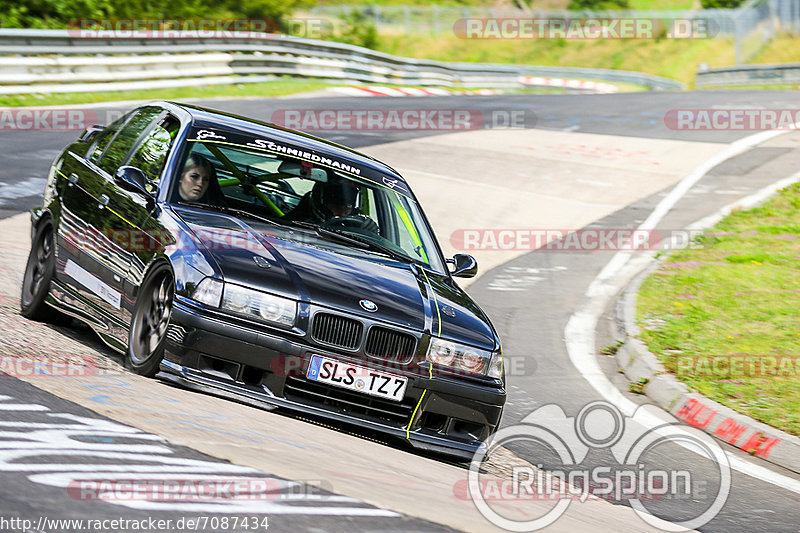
[406, 91]
[585, 85]
[663, 388]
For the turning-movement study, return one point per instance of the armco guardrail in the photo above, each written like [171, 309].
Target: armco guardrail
[622, 76]
[31, 58]
[785, 73]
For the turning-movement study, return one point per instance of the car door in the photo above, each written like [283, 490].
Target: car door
[130, 223]
[104, 260]
[79, 233]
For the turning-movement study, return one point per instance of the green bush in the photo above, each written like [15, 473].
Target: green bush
[358, 29]
[60, 13]
[50, 13]
[721, 4]
[597, 5]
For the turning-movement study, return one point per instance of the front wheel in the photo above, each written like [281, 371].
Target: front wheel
[39, 272]
[148, 331]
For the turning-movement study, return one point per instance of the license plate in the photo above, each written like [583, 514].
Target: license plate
[357, 378]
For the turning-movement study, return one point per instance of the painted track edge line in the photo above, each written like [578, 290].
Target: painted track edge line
[667, 391]
[579, 333]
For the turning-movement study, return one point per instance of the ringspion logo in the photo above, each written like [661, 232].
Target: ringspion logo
[638, 465]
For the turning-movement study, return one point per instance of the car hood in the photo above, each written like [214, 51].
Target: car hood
[300, 265]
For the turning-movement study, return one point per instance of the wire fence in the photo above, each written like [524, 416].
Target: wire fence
[751, 26]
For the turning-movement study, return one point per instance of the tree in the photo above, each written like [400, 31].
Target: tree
[358, 29]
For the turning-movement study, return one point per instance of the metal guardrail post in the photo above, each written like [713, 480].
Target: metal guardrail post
[737, 31]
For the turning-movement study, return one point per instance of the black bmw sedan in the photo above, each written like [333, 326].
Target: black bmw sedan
[269, 266]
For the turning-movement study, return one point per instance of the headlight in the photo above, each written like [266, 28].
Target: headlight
[208, 291]
[496, 365]
[464, 358]
[259, 305]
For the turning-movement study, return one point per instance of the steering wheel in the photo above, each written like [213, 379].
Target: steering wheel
[360, 222]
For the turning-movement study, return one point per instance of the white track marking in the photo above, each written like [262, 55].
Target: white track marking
[22, 407]
[580, 329]
[22, 451]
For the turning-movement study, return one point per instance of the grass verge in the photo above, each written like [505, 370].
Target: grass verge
[678, 59]
[672, 58]
[278, 87]
[723, 317]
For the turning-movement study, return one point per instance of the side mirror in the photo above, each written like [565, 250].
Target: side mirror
[133, 179]
[465, 266]
[90, 132]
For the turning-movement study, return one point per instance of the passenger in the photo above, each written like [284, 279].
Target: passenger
[195, 178]
[198, 181]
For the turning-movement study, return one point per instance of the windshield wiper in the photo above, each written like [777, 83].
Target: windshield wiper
[352, 239]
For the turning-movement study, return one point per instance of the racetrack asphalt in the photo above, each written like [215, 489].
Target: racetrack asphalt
[532, 320]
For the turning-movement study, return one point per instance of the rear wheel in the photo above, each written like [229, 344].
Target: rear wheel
[148, 331]
[39, 272]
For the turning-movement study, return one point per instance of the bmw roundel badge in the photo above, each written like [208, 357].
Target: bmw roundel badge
[368, 306]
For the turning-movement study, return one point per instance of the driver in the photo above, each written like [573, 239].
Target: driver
[331, 200]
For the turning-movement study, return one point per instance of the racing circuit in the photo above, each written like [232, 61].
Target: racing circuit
[581, 161]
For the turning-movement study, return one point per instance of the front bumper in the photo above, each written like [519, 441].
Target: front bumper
[209, 353]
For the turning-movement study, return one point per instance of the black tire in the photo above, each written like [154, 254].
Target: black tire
[39, 272]
[148, 332]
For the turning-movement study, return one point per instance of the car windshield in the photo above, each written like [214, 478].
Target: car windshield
[296, 192]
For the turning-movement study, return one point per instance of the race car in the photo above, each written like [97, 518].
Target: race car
[268, 266]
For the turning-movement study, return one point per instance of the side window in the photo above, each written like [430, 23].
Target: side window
[367, 206]
[115, 152]
[406, 235]
[152, 153]
[105, 137]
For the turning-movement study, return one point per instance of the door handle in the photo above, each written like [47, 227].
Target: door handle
[73, 179]
[103, 201]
